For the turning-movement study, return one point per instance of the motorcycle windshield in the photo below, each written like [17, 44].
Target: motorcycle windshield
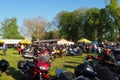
[44, 58]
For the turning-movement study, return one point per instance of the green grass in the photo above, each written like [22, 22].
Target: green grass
[12, 73]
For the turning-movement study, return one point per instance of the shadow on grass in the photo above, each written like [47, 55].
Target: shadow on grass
[15, 53]
[15, 74]
[72, 62]
[69, 66]
[1, 54]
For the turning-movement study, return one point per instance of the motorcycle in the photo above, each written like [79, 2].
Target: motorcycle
[100, 73]
[36, 69]
[103, 61]
[81, 72]
[85, 72]
[3, 66]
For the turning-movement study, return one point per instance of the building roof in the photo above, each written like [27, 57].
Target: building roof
[47, 41]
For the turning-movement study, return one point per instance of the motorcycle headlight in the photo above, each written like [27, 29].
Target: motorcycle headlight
[42, 68]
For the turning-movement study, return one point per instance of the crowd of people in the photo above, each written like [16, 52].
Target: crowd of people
[63, 49]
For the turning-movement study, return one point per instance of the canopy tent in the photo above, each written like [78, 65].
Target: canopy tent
[12, 41]
[1, 41]
[84, 40]
[63, 41]
[70, 42]
[25, 41]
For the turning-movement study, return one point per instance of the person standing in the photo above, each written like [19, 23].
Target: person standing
[19, 50]
[94, 48]
[22, 48]
[4, 49]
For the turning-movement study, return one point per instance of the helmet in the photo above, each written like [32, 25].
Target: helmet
[3, 65]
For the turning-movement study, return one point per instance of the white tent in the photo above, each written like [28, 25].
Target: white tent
[70, 42]
[11, 41]
[63, 41]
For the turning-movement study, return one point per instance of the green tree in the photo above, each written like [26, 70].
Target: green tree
[106, 28]
[53, 34]
[115, 14]
[67, 27]
[56, 20]
[113, 7]
[48, 35]
[56, 34]
[9, 29]
[92, 23]
[71, 24]
[78, 22]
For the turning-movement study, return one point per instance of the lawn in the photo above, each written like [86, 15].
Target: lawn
[12, 73]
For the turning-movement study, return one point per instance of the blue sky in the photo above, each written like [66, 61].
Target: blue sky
[22, 9]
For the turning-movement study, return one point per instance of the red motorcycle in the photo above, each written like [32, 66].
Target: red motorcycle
[36, 69]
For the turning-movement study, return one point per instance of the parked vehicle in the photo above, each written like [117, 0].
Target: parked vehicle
[93, 68]
[103, 62]
[36, 69]
[84, 71]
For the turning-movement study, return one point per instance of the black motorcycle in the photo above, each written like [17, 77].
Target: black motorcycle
[103, 62]
[100, 73]
[81, 72]
[84, 71]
